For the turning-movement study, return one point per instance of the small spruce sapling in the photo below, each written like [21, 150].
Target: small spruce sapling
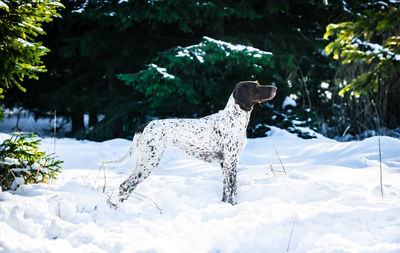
[21, 162]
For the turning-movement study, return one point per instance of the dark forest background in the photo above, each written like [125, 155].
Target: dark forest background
[107, 61]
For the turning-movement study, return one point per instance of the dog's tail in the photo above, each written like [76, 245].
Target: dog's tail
[125, 158]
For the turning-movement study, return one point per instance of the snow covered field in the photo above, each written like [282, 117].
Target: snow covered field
[330, 201]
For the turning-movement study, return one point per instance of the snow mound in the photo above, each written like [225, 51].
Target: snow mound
[288, 102]
[329, 201]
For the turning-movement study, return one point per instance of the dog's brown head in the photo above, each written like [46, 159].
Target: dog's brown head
[249, 93]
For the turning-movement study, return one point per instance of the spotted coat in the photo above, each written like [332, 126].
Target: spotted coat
[217, 138]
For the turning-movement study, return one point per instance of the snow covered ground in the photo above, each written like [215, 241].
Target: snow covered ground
[330, 201]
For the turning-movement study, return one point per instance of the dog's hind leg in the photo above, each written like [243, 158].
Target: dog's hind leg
[145, 164]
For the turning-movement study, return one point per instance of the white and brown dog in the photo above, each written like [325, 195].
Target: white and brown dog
[218, 138]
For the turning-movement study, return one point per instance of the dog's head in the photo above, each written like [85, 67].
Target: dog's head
[249, 93]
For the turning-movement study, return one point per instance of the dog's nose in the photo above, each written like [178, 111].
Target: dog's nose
[273, 92]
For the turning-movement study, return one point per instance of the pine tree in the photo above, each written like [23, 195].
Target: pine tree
[20, 55]
[95, 40]
[369, 48]
[200, 77]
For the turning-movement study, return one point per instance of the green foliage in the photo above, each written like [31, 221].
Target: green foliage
[368, 47]
[20, 157]
[186, 14]
[197, 80]
[373, 40]
[20, 55]
[96, 40]
[202, 74]
[1, 108]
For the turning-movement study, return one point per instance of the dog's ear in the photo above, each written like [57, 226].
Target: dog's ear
[242, 97]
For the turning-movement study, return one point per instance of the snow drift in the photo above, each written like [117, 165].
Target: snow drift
[329, 201]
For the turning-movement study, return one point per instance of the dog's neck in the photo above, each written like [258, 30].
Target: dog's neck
[232, 105]
[234, 109]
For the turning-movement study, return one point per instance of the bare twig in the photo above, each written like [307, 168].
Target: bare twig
[154, 203]
[345, 131]
[283, 167]
[304, 82]
[12, 173]
[53, 197]
[111, 204]
[4, 178]
[105, 178]
[290, 237]
[59, 210]
[55, 130]
[98, 173]
[38, 170]
[272, 170]
[380, 165]
[114, 205]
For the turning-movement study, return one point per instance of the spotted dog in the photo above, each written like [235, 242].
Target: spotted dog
[218, 138]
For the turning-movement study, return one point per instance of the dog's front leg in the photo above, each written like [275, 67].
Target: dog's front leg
[229, 171]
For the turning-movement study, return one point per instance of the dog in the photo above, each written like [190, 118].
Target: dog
[217, 138]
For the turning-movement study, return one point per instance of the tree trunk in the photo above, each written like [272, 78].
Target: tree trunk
[77, 121]
[93, 120]
[393, 106]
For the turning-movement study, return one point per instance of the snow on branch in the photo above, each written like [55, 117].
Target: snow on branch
[377, 49]
[162, 71]
[199, 50]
